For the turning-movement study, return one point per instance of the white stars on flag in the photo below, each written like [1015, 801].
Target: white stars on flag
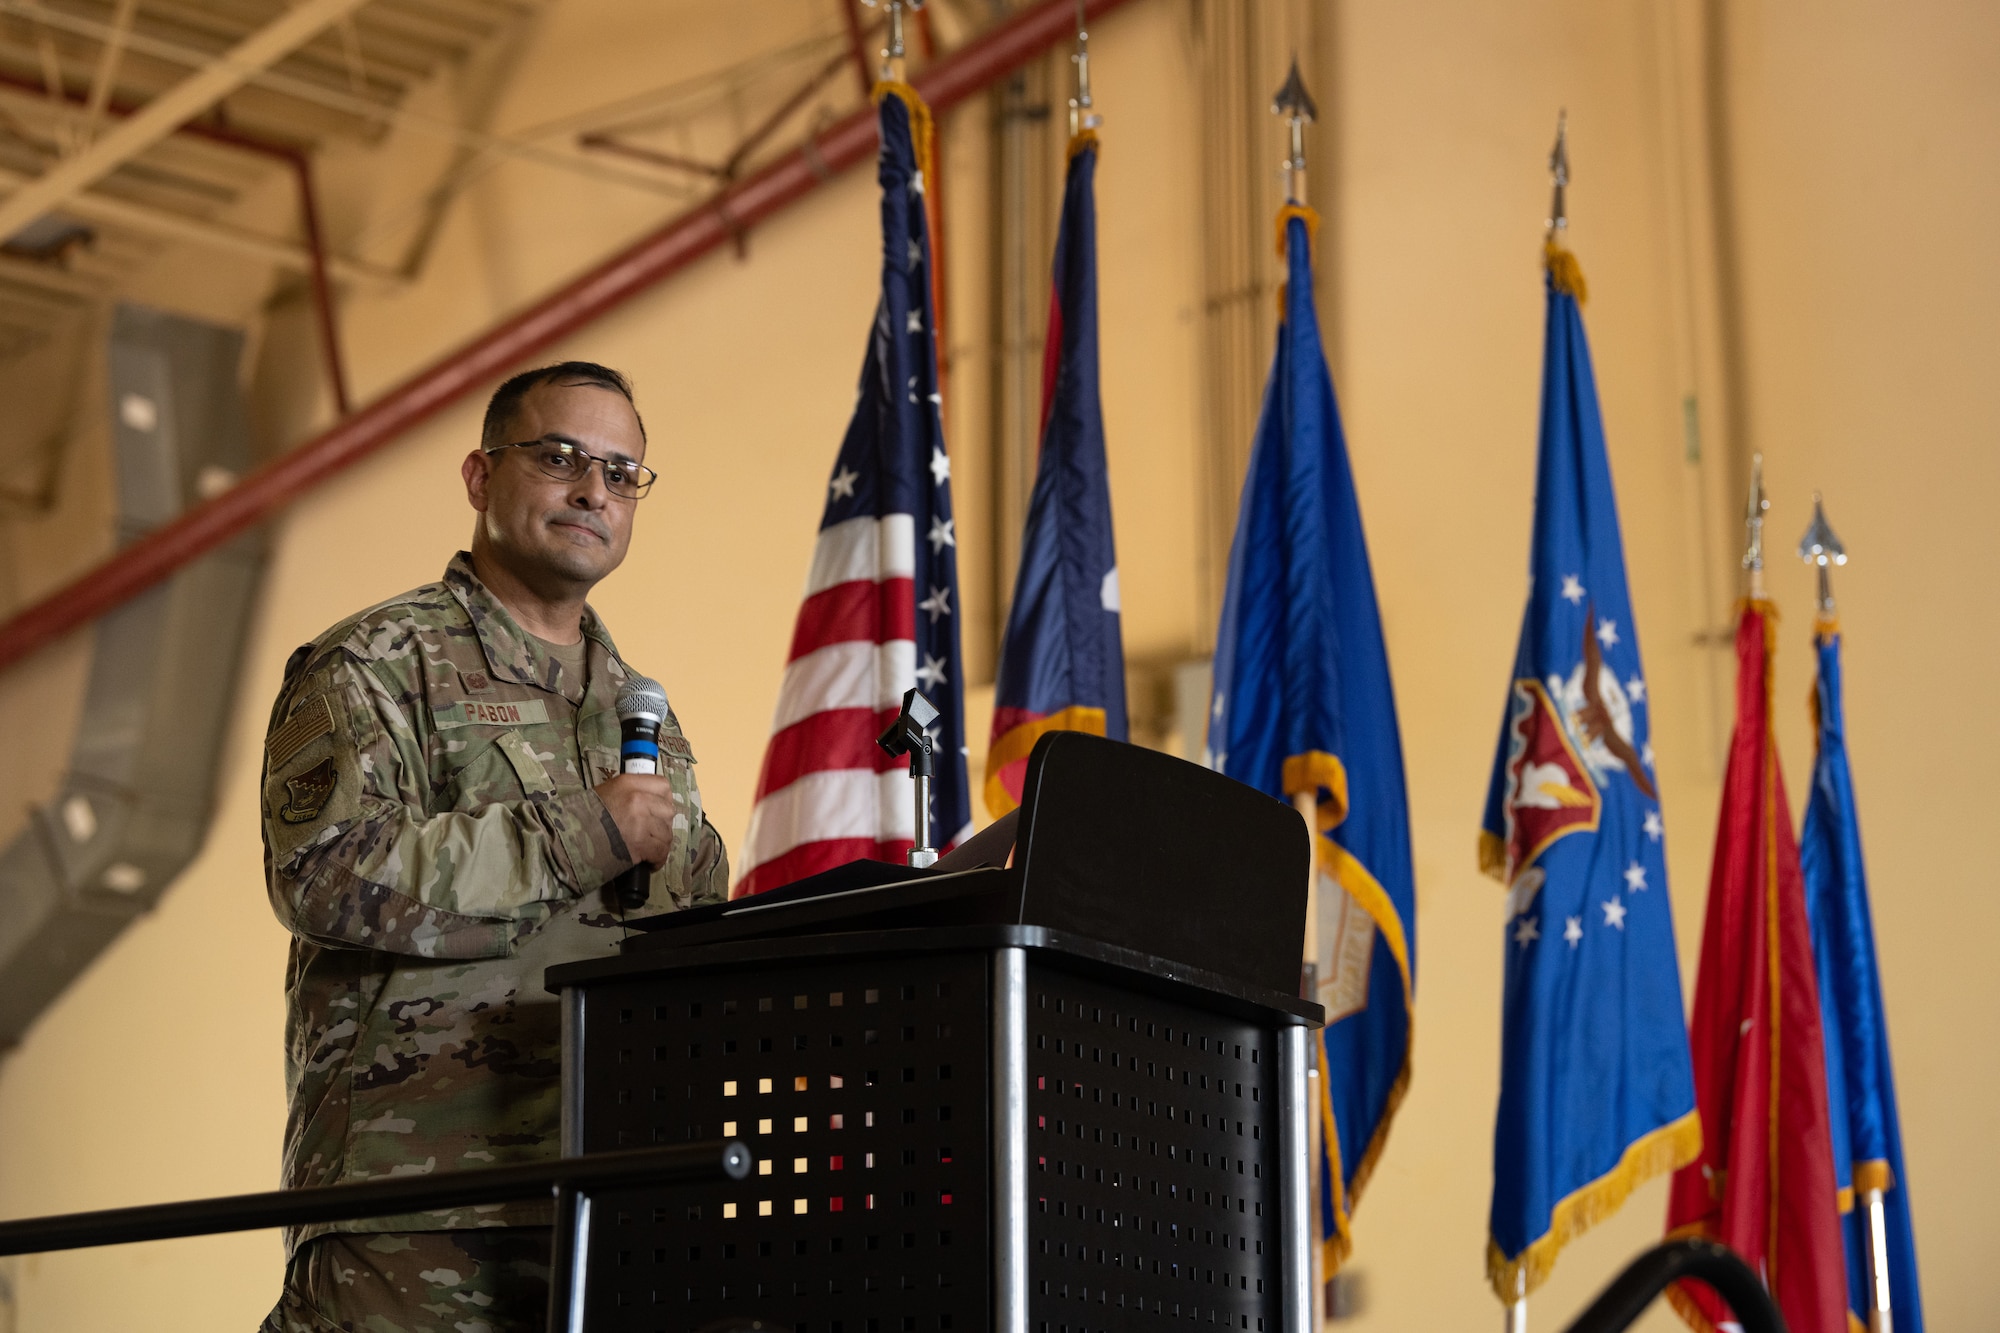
[1646, 754]
[917, 183]
[1607, 633]
[937, 604]
[1635, 688]
[843, 484]
[916, 255]
[1527, 932]
[915, 323]
[941, 535]
[940, 467]
[1635, 878]
[1572, 590]
[1573, 930]
[1654, 828]
[1614, 914]
[931, 673]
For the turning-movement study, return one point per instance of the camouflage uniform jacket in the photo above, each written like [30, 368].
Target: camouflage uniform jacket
[433, 843]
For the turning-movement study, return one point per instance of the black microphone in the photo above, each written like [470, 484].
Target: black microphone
[642, 705]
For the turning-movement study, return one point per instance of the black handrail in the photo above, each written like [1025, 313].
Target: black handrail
[683, 1164]
[1619, 1304]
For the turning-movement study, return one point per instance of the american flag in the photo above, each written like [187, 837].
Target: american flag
[881, 600]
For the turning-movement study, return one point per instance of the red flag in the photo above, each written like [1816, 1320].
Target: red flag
[1763, 1184]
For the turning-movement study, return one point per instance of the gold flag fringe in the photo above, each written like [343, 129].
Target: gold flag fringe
[921, 128]
[1305, 215]
[1566, 273]
[1667, 1148]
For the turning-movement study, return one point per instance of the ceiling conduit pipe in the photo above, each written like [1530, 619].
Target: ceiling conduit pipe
[299, 162]
[480, 362]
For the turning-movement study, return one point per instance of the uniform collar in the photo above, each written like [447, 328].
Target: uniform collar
[516, 655]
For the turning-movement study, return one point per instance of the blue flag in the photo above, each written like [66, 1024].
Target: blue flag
[1860, 1086]
[1062, 665]
[1596, 1083]
[1303, 706]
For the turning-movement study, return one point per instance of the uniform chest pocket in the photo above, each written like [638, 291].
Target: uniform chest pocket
[503, 768]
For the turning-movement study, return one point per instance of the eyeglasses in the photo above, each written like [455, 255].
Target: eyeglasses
[567, 463]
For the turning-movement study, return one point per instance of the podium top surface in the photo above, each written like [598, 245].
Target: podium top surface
[1110, 962]
[1129, 847]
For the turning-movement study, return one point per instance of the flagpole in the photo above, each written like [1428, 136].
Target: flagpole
[1823, 549]
[1295, 104]
[1753, 525]
[1081, 115]
[1517, 1309]
[1515, 1317]
[893, 67]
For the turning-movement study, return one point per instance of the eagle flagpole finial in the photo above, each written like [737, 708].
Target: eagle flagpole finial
[1295, 104]
[1821, 547]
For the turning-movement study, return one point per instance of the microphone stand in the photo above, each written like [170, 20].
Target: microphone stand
[907, 735]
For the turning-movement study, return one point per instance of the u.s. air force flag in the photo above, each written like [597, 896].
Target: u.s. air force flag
[1860, 1085]
[1596, 1087]
[1303, 705]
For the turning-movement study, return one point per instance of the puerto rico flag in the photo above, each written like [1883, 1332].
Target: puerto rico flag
[881, 600]
[1062, 663]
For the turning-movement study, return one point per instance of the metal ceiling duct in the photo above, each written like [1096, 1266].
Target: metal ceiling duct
[136, 801]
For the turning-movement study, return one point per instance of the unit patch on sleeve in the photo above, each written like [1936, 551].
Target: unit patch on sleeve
[309, 792]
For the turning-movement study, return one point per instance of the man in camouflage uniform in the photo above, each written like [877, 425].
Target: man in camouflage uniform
[443, 809]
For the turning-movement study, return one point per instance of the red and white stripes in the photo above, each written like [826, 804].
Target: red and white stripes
[827, 794]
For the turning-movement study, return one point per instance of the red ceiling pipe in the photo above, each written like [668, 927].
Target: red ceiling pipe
[478, 363]
[299, 161]
[857, 46]
[322, 290]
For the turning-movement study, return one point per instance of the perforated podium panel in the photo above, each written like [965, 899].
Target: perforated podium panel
[955, 1129]
[862, 1092]
[1150, 1136]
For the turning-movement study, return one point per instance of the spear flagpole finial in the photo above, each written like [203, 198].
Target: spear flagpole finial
[1295, 104]
[893, 69]
[1821, 547]
[1753, 526]
[1559, 174]
[1081, 117]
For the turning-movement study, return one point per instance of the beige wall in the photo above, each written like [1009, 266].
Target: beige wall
[1860, 146]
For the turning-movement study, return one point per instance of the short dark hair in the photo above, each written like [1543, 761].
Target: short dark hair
[506, 399]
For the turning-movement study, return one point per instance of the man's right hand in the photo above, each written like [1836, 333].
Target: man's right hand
[643, 807]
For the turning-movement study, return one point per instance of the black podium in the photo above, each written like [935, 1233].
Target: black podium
[1057, 1083]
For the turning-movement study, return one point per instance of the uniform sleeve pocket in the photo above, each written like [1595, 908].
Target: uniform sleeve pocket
[312, 788]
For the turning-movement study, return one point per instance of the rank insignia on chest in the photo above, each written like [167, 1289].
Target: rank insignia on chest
[308, 792]
[475, 682]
